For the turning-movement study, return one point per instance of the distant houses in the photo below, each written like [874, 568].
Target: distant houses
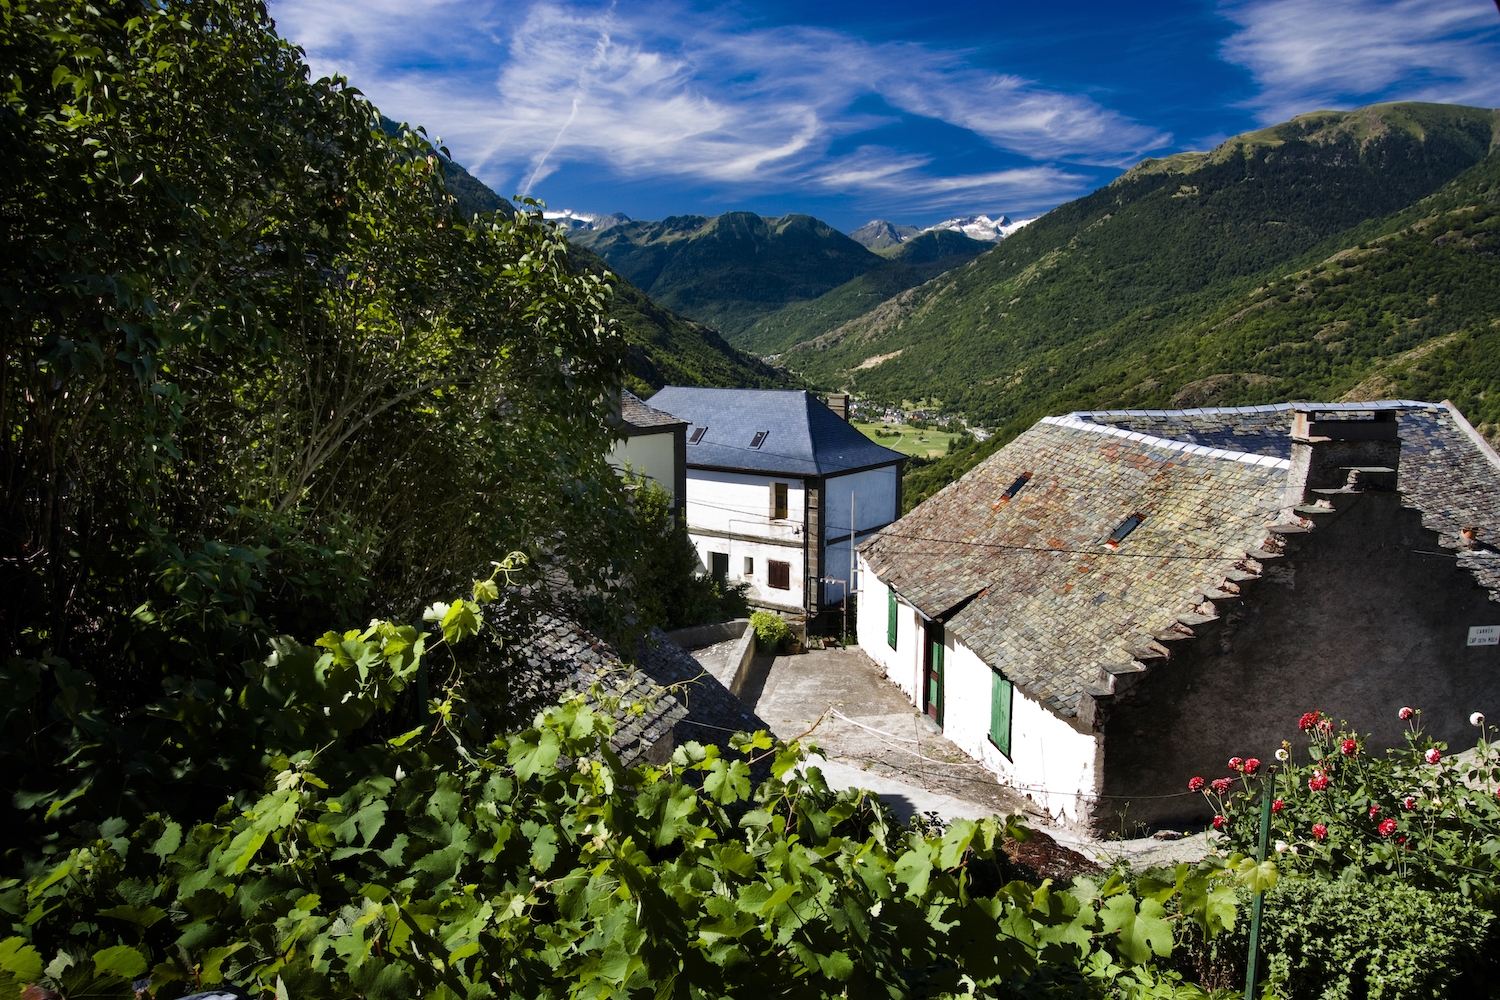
[779, 488]
[1118, 600]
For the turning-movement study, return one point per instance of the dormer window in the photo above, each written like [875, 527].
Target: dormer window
[1126, 527]
[697, 435]
[759, 439]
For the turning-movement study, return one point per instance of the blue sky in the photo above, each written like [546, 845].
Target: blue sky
[910, 111]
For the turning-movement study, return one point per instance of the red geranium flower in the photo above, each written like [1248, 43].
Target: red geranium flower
[1433, 755]
[1405, 714]
[1218, 822]
[1387, 827]
[1309, 720]
[1251, 765]
[1221, 785]
[1277, 806]
[1318, 782]
[1373, 811]
[1325, 726]
[1235, 763]
[1195, 784]
[1410, 802]
[1320, 831]
[1349, 747]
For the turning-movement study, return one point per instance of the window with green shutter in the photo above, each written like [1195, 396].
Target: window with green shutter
[1000, 699]
[890, 618]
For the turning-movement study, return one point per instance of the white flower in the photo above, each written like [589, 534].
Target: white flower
[1477, 719]
[1281, 846]
[1282, 754]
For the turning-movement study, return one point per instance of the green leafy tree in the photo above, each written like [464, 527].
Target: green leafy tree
[668, 586]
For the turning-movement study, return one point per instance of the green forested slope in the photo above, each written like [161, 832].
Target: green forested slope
[1191, 281]
[909, 264]
[664, 348]
[729, 270]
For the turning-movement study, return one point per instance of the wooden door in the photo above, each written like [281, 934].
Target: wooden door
[933, 671]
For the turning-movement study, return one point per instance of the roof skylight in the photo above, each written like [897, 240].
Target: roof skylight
[1125, 528]
[1016, 486]
[759, 439]
[697, 435]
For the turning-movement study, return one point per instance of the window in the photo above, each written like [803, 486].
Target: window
[779, 575]
[697, 435]
[719, 564]
[1126, 527]
[749, 566]
[759, 439]
[778, 501]
[1016, 486]
[1001, 695]
[890, 617]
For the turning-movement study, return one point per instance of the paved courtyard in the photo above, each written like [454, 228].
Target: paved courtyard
[873, 738]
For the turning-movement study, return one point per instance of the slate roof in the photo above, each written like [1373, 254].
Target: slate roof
[637, 415]
[1054, 605]
[805, 437]
[559, 660]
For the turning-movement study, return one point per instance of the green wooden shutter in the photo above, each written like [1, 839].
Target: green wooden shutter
[890, 617]
[1000, 699]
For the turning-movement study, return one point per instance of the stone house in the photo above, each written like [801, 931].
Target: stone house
[779, 488]
[1118, 600]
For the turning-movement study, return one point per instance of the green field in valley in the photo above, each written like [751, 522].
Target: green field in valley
[908, 440]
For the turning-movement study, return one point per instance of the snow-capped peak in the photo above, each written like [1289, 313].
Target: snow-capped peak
[982, 227]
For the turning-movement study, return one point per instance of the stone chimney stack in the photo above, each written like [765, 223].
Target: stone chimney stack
[1354, 450]
[838, 402]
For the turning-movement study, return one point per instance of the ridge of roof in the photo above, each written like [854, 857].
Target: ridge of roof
[1195, 411]
[1073, 422]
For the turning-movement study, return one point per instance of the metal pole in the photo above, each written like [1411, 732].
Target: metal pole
[1260, 857]
[849, 582]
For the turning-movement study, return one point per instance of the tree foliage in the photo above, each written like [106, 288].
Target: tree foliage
[257, 368]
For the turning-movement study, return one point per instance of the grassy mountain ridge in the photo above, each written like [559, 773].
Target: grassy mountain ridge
[726, 271]
[1046, 313]
[911, 263]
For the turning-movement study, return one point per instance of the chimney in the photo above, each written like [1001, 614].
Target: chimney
[1339, 449]
[838, 402]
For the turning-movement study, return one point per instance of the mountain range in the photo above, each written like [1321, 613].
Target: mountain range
[880, 234]
[1338, 255]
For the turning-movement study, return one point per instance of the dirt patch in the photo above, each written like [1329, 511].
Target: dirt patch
[1041, 857]
[877, 359]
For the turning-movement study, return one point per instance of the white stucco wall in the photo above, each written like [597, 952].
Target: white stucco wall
[649, 455]
[874, 493]
[731, 512]
[902, 665]
[1051, 761]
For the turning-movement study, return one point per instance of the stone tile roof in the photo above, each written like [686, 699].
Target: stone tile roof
[1050, 605]
[560, 660]
[637, 415]
[713, 714]
[804, 437]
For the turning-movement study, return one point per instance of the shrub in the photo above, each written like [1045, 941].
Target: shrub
[770, 630]
[1415, 814]
[1326, 940]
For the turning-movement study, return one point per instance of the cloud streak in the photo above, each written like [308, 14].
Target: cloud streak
[666, 93]
[1345, 53]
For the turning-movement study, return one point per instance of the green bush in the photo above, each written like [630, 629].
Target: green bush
[770, 630]
[1344, 939]
[667, 590]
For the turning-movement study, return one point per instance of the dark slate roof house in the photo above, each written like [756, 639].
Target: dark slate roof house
[777, 486]
[1117, 600]
[803, 436]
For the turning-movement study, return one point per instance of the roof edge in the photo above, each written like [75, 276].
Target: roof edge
[1381, 404]
[1473, 435]
[1073, 422]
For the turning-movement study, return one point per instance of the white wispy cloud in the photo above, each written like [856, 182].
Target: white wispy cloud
[661, 91]
[1306, 55]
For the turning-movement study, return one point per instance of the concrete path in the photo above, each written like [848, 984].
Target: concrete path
[881, 742]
